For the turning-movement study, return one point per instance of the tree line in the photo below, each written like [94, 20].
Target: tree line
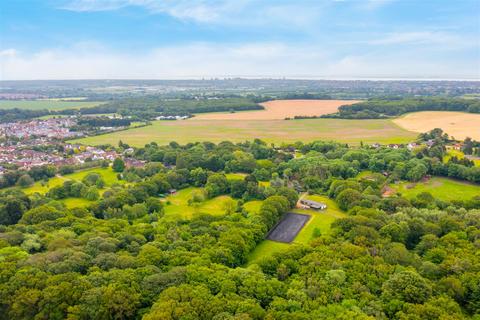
[378, 108]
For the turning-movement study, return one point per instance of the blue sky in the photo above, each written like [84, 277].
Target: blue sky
[164, 39]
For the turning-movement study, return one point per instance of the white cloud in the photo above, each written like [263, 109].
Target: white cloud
[196, 10]
[213, 60]
[423, 37]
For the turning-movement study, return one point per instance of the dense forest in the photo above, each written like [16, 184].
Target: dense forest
[385, 108]
[122, 257]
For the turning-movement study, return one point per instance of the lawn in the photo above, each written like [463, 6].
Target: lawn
[267, 248]
[441, 188]
[177, 204]
[272, 131]
[320, 220]
[109, 176]
[46, 104]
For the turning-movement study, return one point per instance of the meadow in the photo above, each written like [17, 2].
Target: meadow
[441, 188]
[457, 124]
[281, 109]
[46, 104]
[42, 187]
[272, 131]
[319, 223]
[177, 205]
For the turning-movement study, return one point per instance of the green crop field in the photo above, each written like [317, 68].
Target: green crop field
[177, 205]
[46, 104]
[276, 131]
[440, 188]
[320, 220]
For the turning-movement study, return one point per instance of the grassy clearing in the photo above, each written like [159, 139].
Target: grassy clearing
[109, 176]
[364, 174]
[177, 204]
[266, 248]
[320, 220]
[46, 104]
[271, 131]
[235, 176]
[252, 207]
[76, 202]
[441, 188]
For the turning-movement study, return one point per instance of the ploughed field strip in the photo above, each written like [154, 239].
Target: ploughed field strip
[288, 228]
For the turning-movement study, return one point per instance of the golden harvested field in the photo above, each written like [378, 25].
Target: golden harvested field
[281, 109]
[457, 124]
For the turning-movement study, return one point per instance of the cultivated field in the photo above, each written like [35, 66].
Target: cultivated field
[441, 188]
[46, 104]
[457, 124]
[275, 131]
[281, 109]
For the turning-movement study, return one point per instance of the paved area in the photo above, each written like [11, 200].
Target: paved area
[288, 228]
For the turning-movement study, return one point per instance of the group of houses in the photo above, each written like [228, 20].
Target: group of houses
[58, 128]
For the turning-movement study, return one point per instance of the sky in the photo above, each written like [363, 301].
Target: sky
[175, 39]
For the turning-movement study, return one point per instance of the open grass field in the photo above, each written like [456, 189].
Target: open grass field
[281, 109]
[46, 104]
[177, 204]
[320, 220]
[272, 131]
[41, 187]
[441, 188]
[457, 124]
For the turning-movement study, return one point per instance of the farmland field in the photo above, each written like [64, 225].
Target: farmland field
[441, 188]
[275, 131]
[457, 124]
[46, 104]
[280, 109]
